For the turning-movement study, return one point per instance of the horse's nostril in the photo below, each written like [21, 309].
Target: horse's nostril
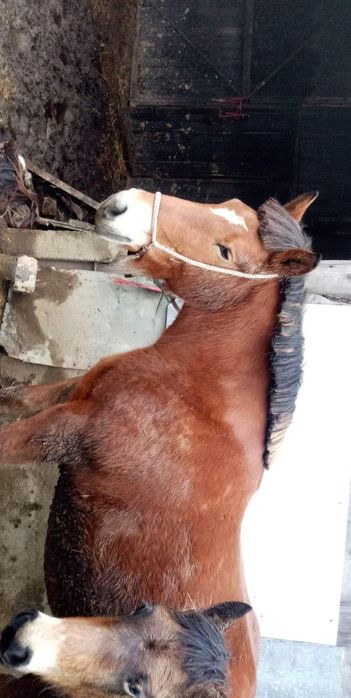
[112, 212]
[10, 650]
[24, 617]
[16, 655]
[7, 636]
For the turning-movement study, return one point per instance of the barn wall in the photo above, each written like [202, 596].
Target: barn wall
[246, 97]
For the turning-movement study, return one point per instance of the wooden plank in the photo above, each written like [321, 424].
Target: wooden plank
[178, 49]
[205, 169]
[207, 121]
[245, 156]
[59, 245]
[66, 225]
[267, 102]
[197, 51]
[332, 279]
[254, 193]
[61, 185]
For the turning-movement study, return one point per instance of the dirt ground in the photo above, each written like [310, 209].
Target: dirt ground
[64, 81]
[64, 78]
[64, 69]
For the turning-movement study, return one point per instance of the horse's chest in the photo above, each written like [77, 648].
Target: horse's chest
[69, 539]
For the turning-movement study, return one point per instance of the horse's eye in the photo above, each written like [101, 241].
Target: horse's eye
[131, 688]
[225, 252]
[146, 608]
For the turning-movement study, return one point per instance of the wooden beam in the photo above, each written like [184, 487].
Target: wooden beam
[66, 225]
[71, 245]
[332, 280]
[61, 185]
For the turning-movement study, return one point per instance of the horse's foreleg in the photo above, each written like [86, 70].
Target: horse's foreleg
[25, 400]
[46, 437]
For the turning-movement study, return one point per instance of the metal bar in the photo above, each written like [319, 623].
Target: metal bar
[247, 46]
[61, 185]
[197, 50]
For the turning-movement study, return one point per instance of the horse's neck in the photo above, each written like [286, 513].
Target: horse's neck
[226, 353]
[227, 347]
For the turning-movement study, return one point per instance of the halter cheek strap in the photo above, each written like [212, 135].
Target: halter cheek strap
[187, 260]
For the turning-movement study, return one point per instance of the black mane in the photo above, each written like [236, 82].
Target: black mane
[205, 657]
[279, 231]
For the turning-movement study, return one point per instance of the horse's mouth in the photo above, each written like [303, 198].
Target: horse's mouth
[112, 237]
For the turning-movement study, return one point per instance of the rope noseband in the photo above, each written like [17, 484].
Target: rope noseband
[192, 262]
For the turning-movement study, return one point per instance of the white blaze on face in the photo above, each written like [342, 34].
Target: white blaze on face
[126, 217]
[230, 216]
[43, 637]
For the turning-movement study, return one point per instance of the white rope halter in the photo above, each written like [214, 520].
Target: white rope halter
[193, 262]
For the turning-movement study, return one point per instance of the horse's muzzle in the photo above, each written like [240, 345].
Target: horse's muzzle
[12, 653]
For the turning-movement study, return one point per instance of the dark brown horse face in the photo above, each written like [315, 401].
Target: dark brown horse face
[223, 235]
[151, 652]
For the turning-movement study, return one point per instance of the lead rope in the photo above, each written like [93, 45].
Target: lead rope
[188, 260]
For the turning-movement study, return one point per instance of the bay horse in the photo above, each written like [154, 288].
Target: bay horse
[160, 449]
[154, 651]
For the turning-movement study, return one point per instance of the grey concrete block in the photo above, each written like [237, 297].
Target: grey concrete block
[58, 244]
[74, 318]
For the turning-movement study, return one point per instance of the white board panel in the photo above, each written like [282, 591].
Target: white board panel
[295, 527]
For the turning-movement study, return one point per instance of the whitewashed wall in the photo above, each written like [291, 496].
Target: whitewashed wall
[295, 527]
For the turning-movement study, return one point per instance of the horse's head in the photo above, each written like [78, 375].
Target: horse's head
[225, 235]
[151, 652]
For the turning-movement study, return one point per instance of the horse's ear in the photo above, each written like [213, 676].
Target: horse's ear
[224, 614]
[290, 262]
[298, 207]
